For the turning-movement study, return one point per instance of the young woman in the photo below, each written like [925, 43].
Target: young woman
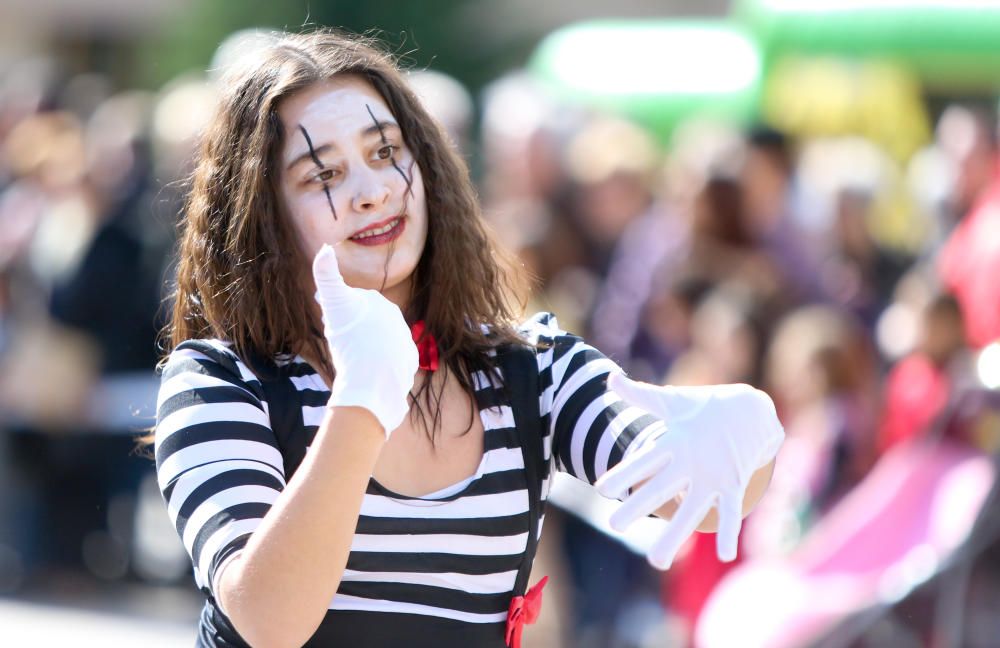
[336, 486]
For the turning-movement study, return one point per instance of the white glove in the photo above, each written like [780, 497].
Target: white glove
[716, 437]
[370, 345]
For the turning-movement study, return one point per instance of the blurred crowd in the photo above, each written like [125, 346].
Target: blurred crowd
[859, 287]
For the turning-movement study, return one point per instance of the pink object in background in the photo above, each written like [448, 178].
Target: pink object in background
[892, 532]
[970, 264]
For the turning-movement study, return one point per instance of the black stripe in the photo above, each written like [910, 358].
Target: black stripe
[506, 525]
[626, 438]
[594, 435]
[562, 345]
[192, 435]
[178, 365]
[545, 378]
[584, 356]
[314, 397]
[246, 511]
[441, 597]
[206, 395]
[218, 483]
[298, 370]
[432, 562]
[489, 397]
[385, 630]
[499, 438]
[569, 415]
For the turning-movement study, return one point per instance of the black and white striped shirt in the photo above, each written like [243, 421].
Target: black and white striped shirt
[438, 568]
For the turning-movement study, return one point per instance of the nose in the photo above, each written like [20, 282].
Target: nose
[370, 193]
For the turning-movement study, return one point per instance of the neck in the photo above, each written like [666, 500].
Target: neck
[400, 294]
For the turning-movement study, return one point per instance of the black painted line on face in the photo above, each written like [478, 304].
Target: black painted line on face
[408, 179]
[315, 158]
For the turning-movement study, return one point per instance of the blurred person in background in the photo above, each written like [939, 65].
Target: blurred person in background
[90, 263]
[921, 385]
[821, 366]
[858, 272]
[776, 216]
[46, 222]
[969, 261]
[528, 197]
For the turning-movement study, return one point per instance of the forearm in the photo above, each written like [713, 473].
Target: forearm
[278, 589]
[758, 484]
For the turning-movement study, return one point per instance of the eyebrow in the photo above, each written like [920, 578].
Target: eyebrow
[374, 129]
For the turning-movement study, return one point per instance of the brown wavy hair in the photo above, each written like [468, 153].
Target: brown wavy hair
[241, 275]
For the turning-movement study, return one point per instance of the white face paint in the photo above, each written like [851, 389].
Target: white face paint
[347, 179]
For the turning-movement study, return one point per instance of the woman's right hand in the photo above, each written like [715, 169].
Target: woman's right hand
[370, 345]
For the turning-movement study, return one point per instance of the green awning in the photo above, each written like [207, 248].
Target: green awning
[657, 73]
[950, 44]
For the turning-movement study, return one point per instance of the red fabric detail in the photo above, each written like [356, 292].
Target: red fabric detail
[916, 392]
[524, 610]
[969, 265]
[692, 578]
[426, 346]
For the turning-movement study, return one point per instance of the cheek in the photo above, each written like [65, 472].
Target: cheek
[315, 224]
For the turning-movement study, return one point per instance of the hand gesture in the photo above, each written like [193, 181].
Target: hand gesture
[716, 437]
[370, 345]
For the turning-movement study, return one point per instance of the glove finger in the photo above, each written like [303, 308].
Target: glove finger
[727, 538]
[662, 401]
[326, 270]
[649, 497]
[633, 469]
[690, 514]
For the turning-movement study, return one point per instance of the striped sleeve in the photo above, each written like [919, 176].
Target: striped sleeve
[217, 462]
[590, 427]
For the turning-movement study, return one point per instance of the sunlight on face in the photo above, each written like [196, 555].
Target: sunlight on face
[348, 179]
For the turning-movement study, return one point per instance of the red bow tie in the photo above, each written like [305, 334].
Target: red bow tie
[426, 346]
[524, 610]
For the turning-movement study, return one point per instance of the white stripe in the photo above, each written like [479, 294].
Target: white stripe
[313, 415]
[481, 381]
[187, 380]
[583, 423]
[222, 450]
[307, 381]
[502, 459]
[220, 539]
[502, 417]
[220, 502]
[582, 375]
[448, 543]
[209, 413]
[474, 506]
[195, 477]
[188, 353]
[610, 435]
[498, 583]
[344, 602]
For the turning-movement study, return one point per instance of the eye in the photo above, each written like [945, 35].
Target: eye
[386, 151]
[325, 175]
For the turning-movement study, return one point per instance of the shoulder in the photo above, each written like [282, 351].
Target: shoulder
[206, 363]
[206, 355]
[565, 352]
[541, 329]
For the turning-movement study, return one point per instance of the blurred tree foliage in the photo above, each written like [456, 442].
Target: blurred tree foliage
[444, 34]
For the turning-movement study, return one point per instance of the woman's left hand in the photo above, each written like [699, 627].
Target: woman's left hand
[716, 437]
